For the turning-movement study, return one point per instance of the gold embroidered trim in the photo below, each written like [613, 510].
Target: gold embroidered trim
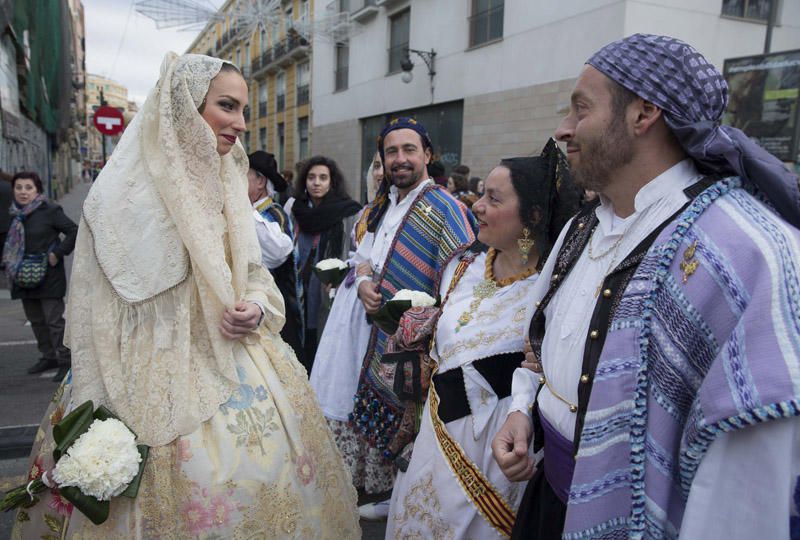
[486, 498]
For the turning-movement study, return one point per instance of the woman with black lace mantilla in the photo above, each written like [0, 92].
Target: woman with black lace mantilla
[452, 487]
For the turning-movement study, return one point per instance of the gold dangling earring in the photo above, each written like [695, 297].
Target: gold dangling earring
[525, 245]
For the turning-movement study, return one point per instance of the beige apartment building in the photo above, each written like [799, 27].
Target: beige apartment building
[276, 62]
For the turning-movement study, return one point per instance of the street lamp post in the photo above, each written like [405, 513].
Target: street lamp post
[429, 57]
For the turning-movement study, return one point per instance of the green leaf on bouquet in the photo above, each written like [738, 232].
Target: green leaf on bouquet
[388, 316]
[95, 510]
[71, 427]
[133, 488]
[332, 276]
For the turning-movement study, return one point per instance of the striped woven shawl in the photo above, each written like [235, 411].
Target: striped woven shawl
[706, 340]
[435, 229]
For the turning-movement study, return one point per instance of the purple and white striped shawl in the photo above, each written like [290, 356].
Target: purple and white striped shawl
[693, 351]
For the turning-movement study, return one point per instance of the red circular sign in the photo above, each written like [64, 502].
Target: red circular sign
[108, 120]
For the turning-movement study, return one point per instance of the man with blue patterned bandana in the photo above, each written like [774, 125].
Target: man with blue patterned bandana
[415, 228]
[664, 371]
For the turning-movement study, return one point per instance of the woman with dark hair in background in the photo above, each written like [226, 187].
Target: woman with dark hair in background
[452, 487]
[458, 185]
[34, 240]
[476, 185]
[324, 214]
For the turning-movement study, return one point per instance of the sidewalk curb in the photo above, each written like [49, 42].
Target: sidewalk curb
[16, 441]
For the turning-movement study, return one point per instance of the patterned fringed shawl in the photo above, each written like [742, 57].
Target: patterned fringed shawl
[705, 341]
[435, 229]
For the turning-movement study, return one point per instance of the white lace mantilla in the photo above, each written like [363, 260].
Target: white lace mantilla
[166, 244]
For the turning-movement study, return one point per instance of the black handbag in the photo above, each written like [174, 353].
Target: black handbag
[32, 271]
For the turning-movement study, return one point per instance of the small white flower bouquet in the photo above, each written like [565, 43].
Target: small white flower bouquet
[388, 316]
[417, 298]
[331, 271]
[96, 458]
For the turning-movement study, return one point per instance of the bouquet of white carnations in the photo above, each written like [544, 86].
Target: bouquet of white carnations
[388, 316]
[96, 458]
[331, 271]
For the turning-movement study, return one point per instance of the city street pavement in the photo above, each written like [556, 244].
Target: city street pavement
[24, 398]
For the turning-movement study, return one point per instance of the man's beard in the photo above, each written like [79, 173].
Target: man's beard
[402, 183]
[600, 157]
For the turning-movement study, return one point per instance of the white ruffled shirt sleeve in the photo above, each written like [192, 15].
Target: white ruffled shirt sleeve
[276, 246]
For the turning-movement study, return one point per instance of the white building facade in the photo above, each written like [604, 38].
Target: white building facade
[504, 69]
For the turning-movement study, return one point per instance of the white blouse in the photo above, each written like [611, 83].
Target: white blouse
[497, 325]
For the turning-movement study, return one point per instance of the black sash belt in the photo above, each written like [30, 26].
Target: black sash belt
[498, 371]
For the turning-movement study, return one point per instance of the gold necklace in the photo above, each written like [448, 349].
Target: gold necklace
[488, 272]
[613, 248]
[488, 287]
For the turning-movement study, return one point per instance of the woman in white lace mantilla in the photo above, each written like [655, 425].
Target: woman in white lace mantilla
[452, 487]
[174, 326]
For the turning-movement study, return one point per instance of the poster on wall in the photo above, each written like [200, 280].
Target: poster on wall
[764, 99]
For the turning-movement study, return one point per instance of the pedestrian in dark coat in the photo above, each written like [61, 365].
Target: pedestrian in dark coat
[36, 228]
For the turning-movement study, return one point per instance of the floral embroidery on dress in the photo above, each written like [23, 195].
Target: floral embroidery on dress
[204, 511]
[37, 468]
[305, 469]
[421, 513]
[57, 416]
[55, 525]
[184, 450]
[252, 426]
[60, 504]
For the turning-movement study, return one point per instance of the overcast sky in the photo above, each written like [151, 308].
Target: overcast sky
[131, 56]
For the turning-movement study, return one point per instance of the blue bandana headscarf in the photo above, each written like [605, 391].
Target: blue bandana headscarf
[381, 202]
[693, 95]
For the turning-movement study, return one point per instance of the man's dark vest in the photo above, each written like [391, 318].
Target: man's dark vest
[577, 237]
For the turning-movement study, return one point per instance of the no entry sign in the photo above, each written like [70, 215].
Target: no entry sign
[108, 120]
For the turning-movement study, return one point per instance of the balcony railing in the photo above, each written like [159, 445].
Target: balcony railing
[302, 94]
[225, 39]
[363, 9]
[292, 46]
[280, 102]
[358, 5]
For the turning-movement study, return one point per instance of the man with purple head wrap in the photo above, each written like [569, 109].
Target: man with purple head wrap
[664, 375]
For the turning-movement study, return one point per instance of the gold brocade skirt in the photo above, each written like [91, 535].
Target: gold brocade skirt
[264, 466]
